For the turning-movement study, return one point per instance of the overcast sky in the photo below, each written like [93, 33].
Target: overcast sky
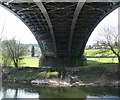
[111, 20]
[13, 27]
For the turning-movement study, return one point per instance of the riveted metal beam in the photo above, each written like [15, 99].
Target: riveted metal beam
[44, 11]
[75, 17]
[22, 1]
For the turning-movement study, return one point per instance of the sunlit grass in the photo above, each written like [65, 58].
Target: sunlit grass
[98, 61]
[30, 62]
[95, 52]
[103, 60]
[34, 61]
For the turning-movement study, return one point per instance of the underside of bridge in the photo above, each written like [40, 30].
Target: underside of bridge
[62, 29]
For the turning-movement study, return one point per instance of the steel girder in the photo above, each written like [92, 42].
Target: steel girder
[61, 28]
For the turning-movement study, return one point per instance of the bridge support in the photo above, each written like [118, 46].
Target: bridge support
[46, 61]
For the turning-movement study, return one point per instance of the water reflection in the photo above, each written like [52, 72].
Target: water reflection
[17, 93]
[107, 97]
[27, 91]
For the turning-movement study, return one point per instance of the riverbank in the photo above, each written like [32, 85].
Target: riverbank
[75, 77]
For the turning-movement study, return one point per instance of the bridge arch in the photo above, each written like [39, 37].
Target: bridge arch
[13, 27]
[110, 20]
[107, 14]
[68, 47]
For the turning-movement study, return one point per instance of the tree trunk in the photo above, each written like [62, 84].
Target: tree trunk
[63, 74]
[16, 64]
[119, 60]
[16, 94]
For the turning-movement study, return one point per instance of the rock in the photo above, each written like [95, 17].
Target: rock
[78, 84]
[59, 83]
[40, 82]
[115, 84]
[51, 83]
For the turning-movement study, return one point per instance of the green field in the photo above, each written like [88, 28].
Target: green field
[30, 62]
[26, 62]
[98, 61]
[95, 62]
[103, 60]
[34, 61]
[95, 52]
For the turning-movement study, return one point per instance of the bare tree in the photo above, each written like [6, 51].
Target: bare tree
[13, 50]
[1, 34]
[110, 36]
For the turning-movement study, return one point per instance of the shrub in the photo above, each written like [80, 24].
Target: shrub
[52, 74]
[48, 75]
[42, 75]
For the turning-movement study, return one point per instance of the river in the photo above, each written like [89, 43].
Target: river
[15, 90]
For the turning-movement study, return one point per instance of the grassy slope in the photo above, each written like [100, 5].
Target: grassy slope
[101, 73]
[21, 75]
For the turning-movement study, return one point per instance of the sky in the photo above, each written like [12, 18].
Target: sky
[14, 27]
[110, 20]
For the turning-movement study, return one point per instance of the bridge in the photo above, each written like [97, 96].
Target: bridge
[61, 27]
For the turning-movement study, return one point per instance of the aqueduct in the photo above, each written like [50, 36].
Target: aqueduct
[61, 27]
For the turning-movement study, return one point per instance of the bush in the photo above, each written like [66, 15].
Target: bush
[6, 62]
[52, 74]
[42, 75]
[48, 75]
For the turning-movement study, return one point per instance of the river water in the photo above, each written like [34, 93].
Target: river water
[23, 91]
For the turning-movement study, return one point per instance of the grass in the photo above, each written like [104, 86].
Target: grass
[94, 52]
[98, 61]
[100, 73]
[96, 70]
[26, 62]
[34, 61]
[86, 74]
[21, 75]
[103, 60]
[30, 62]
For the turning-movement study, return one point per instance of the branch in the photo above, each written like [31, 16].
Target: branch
[10, 50]
[113, 50]
[2, 31]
